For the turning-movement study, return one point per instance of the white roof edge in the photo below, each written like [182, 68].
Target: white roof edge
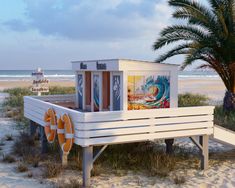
[92, 60]
[123, 59]
[146, 61]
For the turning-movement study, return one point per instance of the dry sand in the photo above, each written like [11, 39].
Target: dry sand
[9, 177]
[212, 87]
[27, 83]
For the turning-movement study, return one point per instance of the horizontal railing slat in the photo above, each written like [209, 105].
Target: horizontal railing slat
[141, 137]
[52, 98]
[133, 114]
[142, 122]
[137, 130]
[34, 118]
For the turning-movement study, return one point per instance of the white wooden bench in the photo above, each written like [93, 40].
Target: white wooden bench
[118, 127]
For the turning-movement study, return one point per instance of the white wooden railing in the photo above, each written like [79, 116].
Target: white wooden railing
[112, 127]
[57, 98]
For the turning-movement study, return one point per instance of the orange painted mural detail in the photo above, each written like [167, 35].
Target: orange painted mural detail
[148, 92]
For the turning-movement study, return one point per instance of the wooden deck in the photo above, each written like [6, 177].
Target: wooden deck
[113, 127]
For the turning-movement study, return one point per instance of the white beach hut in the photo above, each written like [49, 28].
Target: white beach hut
[122, 84]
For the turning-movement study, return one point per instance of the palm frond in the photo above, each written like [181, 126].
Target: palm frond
[208, 35]
[180, 49]
[195, 12]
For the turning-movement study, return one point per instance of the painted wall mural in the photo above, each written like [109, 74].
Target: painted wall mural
[80, 91]
[148, 92]
[96, 92]
[116, 92]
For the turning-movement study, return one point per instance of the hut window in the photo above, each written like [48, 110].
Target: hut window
[80, 90]
[116, 89]
[96, 92]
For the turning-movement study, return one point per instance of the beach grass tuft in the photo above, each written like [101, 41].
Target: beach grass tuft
[179, 179]
[8, 159]
[30, 174]
[9, 137]
[24, 145]
[189, 99]
[22, 167]
[52, 169]
[2, 142]
[71, 183]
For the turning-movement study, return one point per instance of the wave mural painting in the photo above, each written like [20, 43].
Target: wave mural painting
[80, 91]
[148, 92]
[96, 90]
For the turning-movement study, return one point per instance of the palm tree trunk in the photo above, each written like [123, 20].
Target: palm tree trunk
[229, 98]
[229, 101]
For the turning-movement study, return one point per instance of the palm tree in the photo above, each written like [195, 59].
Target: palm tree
[208, 35]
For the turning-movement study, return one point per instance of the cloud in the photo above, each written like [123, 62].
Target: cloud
[16, 25]
[90, 20]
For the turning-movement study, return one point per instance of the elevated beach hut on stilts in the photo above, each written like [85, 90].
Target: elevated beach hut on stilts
[121, 101]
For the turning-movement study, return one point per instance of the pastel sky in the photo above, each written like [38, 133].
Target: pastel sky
[52, 33]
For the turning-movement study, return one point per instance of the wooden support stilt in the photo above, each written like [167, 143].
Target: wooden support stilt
[204, 141]
[33, 128]
[64, 159]
[43, 139]
[169, 146]
[87, 164]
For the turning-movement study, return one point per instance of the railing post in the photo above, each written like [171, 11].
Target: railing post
[204, 141]
[33, 128]
[43, 140]
[87, 164]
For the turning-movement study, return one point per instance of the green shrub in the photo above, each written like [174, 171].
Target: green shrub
[224, 118]
[13, 106]
[189, 99]
[56, 90]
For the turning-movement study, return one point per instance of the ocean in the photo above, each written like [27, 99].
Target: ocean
[15, 75]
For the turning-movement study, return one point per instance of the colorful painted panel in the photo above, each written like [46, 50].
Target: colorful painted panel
[80, 91]
[96, 92]
[148, 92]
[116, 86]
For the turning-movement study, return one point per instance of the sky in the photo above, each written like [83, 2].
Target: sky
[52, 33]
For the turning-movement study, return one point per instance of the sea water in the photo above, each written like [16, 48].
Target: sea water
[15, 75]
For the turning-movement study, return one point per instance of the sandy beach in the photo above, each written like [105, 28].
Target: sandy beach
[220, 174]
[212, 87]
[27, 83]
